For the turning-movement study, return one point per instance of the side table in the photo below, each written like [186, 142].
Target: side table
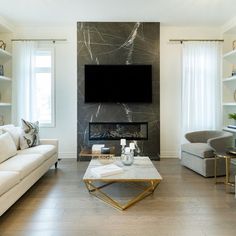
[228, 155]
[89, 153]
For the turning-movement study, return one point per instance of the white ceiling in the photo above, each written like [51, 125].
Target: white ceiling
[168, 12]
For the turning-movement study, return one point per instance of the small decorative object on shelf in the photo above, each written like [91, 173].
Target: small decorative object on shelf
[234, 44]
[233, 71]
[128, 158]
[1, 120]
[1, 70]
[2, 45]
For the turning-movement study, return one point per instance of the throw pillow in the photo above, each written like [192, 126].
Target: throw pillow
[7, 147]
[14, 132]
[30, 134]
[5, 126]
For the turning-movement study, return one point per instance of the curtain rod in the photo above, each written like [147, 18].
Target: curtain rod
[195, 40]
[53, 40]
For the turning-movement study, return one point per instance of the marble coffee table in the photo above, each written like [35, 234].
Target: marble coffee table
[142, 173]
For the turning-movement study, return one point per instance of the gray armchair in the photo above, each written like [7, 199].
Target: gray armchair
[198, 155]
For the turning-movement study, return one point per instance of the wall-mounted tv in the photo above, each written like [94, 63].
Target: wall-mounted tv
[118, 83]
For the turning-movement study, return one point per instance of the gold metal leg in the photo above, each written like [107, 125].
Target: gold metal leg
[96, 191]
[215, 168]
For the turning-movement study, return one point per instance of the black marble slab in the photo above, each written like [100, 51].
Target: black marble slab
[119, 43]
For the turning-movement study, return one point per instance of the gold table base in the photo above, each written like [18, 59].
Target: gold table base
[227, 170]
[97, 192]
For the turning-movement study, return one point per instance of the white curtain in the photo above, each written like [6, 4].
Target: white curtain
[201, 96]
[23, 81]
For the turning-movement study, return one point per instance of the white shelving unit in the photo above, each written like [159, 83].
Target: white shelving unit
[230, 56]
[5, 78]
[5, 88]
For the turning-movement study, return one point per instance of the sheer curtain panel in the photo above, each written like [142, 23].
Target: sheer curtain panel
[22, 88]
[201, 96]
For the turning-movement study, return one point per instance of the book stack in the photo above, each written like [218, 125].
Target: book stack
[96, 148]
[232, 126]
[106, 170]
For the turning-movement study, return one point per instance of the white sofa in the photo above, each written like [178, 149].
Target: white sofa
[20, 171]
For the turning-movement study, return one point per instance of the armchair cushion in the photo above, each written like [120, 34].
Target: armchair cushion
[202, 150]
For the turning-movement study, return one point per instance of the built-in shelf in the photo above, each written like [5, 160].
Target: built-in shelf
[4, 56]
[230, 56]
[229, 103]
[4, 78]
[232, 78]
[5, 104]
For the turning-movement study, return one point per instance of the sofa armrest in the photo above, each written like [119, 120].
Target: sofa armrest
[50, 141]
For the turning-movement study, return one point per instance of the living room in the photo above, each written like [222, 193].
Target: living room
[184, 203]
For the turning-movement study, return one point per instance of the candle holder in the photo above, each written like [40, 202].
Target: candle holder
[137, 149]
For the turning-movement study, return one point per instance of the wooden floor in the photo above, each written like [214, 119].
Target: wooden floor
[183, 204]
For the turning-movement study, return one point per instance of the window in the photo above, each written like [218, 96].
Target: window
[43, 87]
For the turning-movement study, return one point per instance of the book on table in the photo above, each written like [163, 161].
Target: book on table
[232, 126]
[106, 170]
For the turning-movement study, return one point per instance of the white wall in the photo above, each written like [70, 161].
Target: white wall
[65, 82]
[66, 87]
[170, 83]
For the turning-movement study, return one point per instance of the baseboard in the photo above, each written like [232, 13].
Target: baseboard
[170, 155]
[63, 155]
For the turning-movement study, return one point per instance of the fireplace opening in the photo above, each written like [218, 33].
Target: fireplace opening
[118, 130]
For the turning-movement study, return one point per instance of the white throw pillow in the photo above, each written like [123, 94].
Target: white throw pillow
[4, 126]
[29, 135]
[15, 134]
[7, 147]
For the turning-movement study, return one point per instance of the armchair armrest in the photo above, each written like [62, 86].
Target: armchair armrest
[220, 144]
[196, 137]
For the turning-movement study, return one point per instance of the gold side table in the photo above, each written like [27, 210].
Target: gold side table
[227, 156]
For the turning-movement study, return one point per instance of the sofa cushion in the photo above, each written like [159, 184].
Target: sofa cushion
[14, 132]
[8, 179]
[46, 150]
[7, 147]
[24, 164]
[30, 134]
[202, 150]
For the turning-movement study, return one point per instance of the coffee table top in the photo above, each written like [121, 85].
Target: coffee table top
[141, 170]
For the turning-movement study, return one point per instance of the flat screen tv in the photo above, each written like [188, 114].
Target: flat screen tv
[118, 83]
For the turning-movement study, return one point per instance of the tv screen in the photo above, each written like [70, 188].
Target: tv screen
[118, 83]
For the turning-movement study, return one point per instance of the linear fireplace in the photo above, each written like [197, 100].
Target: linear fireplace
[118, 130]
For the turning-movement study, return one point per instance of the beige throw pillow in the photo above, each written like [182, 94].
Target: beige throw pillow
[7, 147]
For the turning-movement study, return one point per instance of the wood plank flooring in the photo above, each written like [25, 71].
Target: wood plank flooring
[183, 204]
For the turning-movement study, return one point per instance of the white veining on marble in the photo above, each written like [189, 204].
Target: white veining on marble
[129, 43]
[87, 42]
[98, 110]
[128, 112]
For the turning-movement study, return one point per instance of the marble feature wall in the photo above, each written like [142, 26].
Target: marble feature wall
[119, 43]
